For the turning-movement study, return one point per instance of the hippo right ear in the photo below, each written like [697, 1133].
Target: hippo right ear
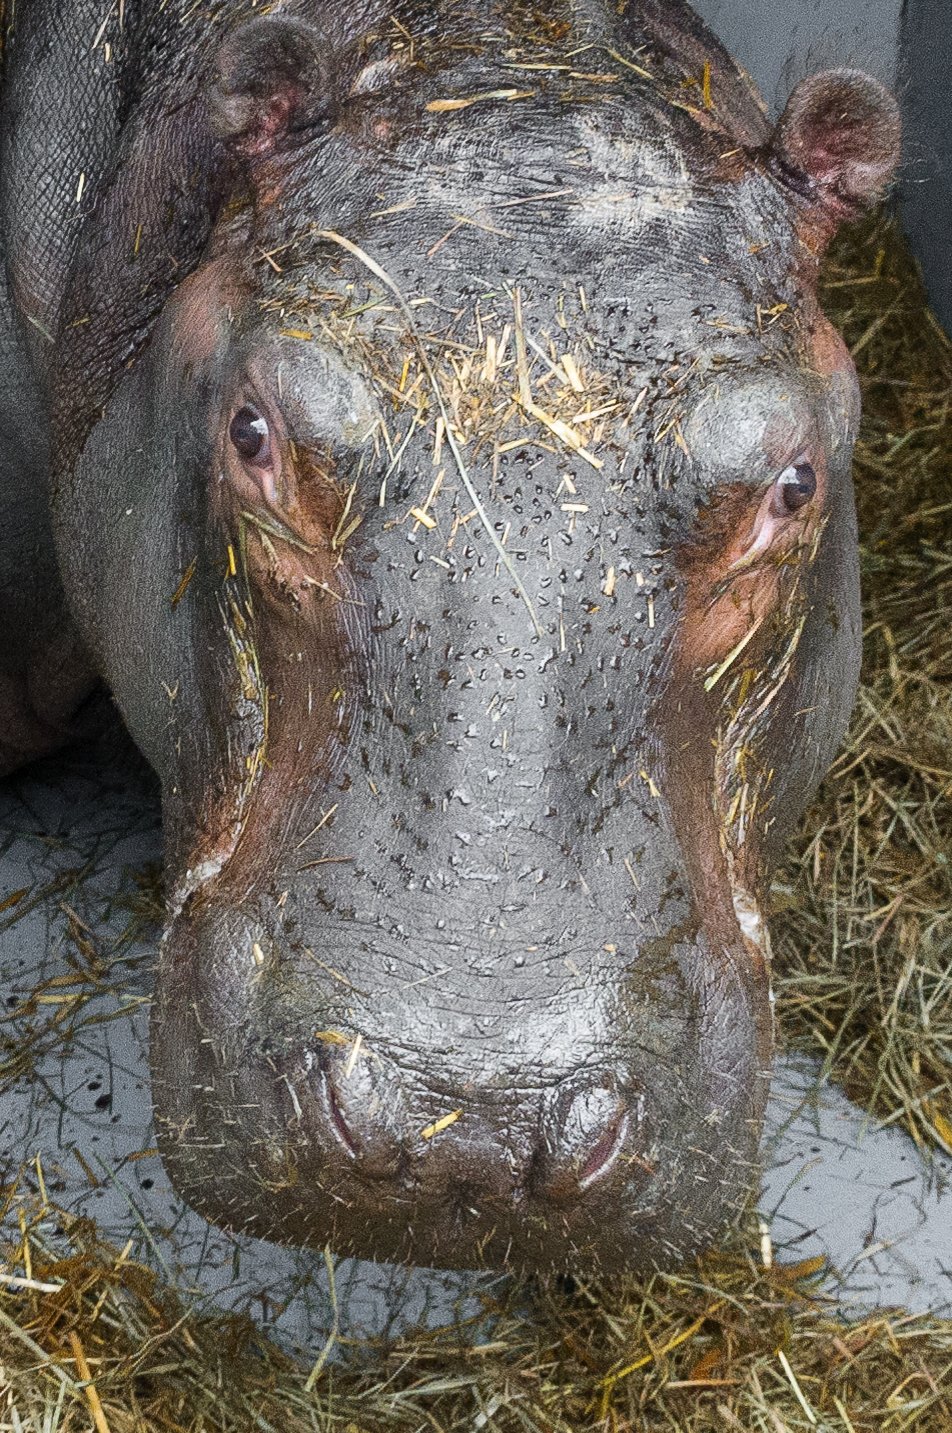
[271, 81]
[837, 144]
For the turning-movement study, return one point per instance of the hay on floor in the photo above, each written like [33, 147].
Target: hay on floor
[92, 1340]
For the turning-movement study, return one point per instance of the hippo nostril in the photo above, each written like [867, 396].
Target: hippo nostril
[605, 1153]
[365, 1113]
[336, 1119]
[588, 1127]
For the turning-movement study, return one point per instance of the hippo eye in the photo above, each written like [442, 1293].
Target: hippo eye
[796, 486]
[251, 436]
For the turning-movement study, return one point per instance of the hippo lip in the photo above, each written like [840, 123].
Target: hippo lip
[618, 1224]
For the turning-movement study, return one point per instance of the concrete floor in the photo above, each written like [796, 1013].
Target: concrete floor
[72, 835]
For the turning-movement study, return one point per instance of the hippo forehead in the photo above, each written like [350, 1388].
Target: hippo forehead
[664, 276]
[671, 230]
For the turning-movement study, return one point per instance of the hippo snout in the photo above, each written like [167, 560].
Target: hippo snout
[519, 1150]
[469, 1176]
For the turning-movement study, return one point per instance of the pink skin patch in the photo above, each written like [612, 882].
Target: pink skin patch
[734, 565]
[277, 506]
[253, 452]
[740, 570]
[282, 495]
[199, 308]
[772, 527]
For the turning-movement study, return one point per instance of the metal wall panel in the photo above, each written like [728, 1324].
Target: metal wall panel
[780, 41]
[926, 191]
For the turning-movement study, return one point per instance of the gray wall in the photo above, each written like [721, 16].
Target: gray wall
[780, 42]
[925, 78]
[907, 43]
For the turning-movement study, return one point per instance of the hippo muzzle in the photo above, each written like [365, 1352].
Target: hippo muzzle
[550, 1127]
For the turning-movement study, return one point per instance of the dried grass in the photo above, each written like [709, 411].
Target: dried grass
[730, 1345]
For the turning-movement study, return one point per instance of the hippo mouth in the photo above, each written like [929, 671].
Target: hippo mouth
[341, 1140]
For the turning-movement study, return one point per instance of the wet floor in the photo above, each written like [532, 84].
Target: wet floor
[74, 837]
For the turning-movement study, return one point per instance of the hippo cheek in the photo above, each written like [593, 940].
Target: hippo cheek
[200, 1071]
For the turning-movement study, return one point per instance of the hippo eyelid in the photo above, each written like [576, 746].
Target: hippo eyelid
[776, 510]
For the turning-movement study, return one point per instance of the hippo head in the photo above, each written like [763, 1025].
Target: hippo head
[487, 492]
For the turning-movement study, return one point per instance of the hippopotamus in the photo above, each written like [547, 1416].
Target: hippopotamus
[419, 417]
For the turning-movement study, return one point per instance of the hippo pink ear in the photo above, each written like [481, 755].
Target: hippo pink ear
[270, 82]
[837, 143]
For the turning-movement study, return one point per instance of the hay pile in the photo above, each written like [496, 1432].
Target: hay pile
[95, 1342]
[862, 930]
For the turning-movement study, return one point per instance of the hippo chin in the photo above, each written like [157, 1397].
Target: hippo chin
[422, 420]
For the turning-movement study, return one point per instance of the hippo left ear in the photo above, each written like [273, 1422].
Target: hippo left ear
[271, 80]
[837, 144]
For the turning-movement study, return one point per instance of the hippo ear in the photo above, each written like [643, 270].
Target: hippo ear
[270, 81]
[837, 143]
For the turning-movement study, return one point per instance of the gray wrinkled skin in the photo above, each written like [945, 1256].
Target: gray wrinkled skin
[465, 828]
